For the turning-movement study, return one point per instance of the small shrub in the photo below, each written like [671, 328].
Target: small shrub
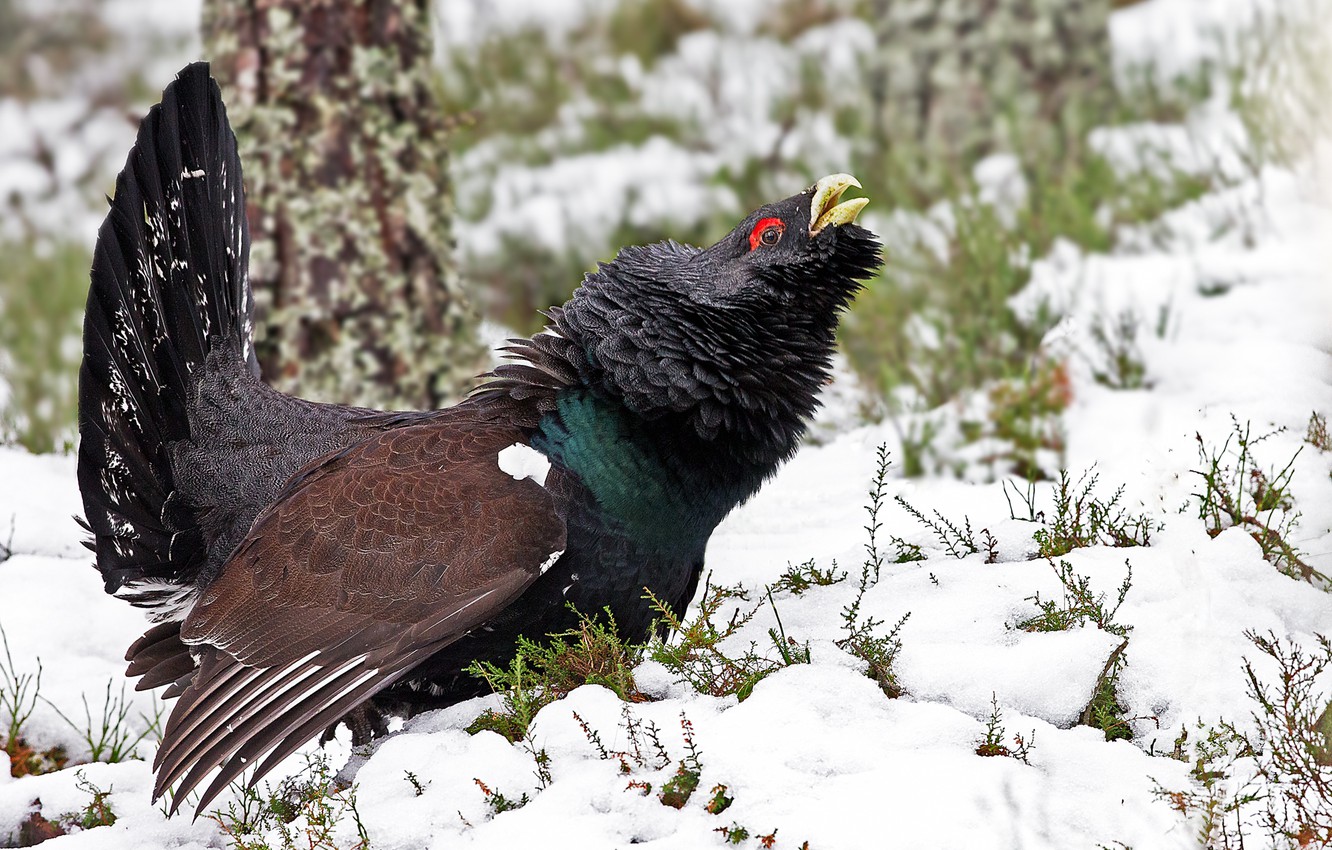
[1119, 363]
[733, 834]
[878, 651]
[540, 673]
[1024, 418]
[862, 640]
[96, 813]
[798, 579]
[1317, 434]
[958, 542]
[676, 791]
[305, 810]
[1237, 493]
[917, 443]
[1218, 802]
[939, 323]
[1274, 776]
[720, 801]
[1104, 710]
[1078, 606]
[1293, 745]
[498, 803]
[1081, 520]
[418, 787]
[19, 693]
[110, 738]
[992, 743]
[541, 759]
[694, 654]
[645, 750]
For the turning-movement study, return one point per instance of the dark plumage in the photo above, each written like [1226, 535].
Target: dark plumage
[301, 558]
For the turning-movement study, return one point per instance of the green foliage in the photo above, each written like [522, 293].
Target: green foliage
[721, 801]
[879, 651]
[694, 653]
[733, 834]
[592, 653]
[992, 739]
[798, 579]
[1104, 710]
[1081, 519]
[110, 737]
[863, 639]
[97, 812]
[418, 787]
[305, 811]
[958, 542]
[19, 693]
[531, 100]
[646, 752]
[62, 40]
[677, 790]
[43, 287]
[1216, 806]
[498, 803]
[1079, 606]
[1238, 493]
[940, 323]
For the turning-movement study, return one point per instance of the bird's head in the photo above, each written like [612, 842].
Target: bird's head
[802, 254]
[735, 339]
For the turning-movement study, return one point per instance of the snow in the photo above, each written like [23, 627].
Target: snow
[817, 752]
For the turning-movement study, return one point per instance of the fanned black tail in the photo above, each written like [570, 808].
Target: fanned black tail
[168, 287]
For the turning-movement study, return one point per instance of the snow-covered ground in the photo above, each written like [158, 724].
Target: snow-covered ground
[817, 752]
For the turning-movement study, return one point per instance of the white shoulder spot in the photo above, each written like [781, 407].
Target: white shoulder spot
[523, 461]
[550, 562]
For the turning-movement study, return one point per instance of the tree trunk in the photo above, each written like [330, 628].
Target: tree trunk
[954, 80]
[357, 294]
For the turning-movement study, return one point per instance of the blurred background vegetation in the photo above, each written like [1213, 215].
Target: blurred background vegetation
[988, 137]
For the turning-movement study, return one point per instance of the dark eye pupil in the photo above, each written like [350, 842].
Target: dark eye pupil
[771, 235]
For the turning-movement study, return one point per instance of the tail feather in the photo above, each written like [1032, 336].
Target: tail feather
[168, 287]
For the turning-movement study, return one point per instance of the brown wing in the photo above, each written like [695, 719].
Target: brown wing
[373, 559]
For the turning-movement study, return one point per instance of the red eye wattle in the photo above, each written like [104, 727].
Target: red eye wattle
[767, 232]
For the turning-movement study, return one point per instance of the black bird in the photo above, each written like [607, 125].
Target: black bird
[302, 558]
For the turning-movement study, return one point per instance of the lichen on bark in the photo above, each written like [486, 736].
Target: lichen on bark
[358, 297]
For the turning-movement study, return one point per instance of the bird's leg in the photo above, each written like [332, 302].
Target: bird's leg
[365, 721]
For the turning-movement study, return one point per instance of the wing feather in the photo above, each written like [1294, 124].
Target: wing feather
[381, 555]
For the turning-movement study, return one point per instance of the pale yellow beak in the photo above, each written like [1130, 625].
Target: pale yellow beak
[824, 211]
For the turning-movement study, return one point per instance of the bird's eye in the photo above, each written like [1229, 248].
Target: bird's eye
[767, 232]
